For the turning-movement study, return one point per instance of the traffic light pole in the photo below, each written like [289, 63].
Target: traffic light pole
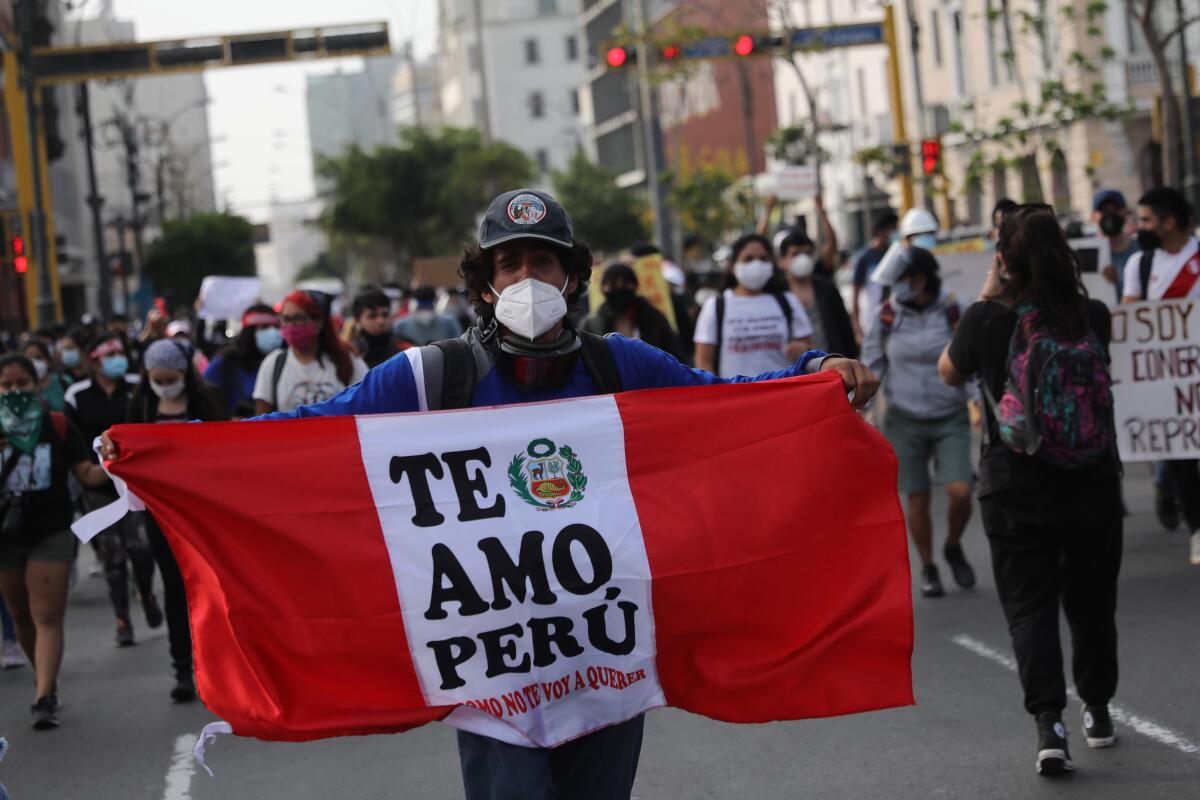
[1191, 169]
[652, 135]
[95, 203]
[41, 255]
[895, 89]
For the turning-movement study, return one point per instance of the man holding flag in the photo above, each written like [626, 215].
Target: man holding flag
[525, 273]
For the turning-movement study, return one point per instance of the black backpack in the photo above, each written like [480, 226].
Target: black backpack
[459, 376]
[784, 306]
[1145, 266]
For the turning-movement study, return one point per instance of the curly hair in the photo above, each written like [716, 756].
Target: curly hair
[478, 268]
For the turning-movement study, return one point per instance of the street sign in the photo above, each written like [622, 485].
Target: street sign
[839, 36]
[789, 183]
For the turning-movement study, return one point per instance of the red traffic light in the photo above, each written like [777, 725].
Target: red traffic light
[20, 260]
[743, 45]
[931, 156]
[670, 52]
[617, 56]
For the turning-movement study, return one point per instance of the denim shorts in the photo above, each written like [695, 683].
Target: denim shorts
[947, 441]
[57, 547]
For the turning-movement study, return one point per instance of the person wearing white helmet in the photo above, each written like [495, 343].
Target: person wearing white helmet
[918, 228]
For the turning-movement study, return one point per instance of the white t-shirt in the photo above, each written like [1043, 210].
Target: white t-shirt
[1164, 272]
[301, 384]
[755, 338]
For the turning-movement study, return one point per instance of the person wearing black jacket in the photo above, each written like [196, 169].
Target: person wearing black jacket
[833, 331]
[624, 312]
[171, 390]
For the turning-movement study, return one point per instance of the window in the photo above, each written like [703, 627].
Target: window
[531, 51]
[537, 108]
[543, 161]
[546, 7]
[572, 49]
[574, 101]
[960, 67]
[992, 32]
[935, 35]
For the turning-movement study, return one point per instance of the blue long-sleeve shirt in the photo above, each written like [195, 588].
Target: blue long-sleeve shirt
[398, 384]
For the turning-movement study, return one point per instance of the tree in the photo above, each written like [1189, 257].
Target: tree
[422, 196]
[1069, 89]
[606, 216]
[706, 195]
[1147, 14]
[194, 247]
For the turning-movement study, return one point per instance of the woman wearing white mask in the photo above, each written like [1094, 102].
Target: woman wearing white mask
[51, 385]
[755, 326]
[171, 390]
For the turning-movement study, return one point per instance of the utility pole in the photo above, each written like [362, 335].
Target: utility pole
[896, 90]
[133, 176]
[914, 36]
[484, 102]
[122, 250]
[652, 136]
[747, 116]
[1188, 124]
[47, 307]
[95, 203]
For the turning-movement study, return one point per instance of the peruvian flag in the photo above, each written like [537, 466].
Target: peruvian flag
[536, 572]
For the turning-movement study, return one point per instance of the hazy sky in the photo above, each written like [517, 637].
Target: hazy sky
[257, 115]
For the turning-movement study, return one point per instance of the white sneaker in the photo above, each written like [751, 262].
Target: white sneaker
[11, 656]
[1196, 548]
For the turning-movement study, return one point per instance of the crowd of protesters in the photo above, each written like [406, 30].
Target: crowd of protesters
[1053, 518]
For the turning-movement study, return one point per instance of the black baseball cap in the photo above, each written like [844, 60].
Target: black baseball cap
[525, 214]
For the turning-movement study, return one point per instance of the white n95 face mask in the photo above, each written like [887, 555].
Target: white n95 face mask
[802, 266]
[530, 307]
[753, 275]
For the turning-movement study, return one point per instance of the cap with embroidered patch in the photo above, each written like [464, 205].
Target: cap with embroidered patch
[525, 214]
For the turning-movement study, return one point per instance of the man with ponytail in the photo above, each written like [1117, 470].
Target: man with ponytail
[1049, 478]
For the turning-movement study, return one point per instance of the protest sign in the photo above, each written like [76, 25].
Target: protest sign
[227, 296]
[1156, 380]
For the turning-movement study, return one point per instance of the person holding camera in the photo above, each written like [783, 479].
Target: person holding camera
[38, 451]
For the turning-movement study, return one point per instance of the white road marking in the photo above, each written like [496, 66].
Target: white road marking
[1135, 722]
[183, 766]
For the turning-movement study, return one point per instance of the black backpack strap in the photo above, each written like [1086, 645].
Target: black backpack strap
[458, 373]
[1145, 266]
[276, 374]
[598, 360]
[720, 333]
[786, 308]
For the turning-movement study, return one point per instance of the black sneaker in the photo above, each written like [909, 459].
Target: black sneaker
[124, 633]
[184, 690]
[154, 614]
[1053, 757]
[1098, 727]
[964, 576]
[1166, 508]
[45, 713]
[931, 582]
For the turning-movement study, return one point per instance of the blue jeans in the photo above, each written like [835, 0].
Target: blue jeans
[599, 766]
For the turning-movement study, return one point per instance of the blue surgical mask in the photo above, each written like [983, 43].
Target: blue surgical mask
[903, 292]
[268, 339]
[114, 366]
[70, 358]
[925, 241]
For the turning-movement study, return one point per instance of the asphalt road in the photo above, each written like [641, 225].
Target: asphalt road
[967, 737]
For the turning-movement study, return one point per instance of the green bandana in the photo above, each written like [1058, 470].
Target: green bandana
[21, 419]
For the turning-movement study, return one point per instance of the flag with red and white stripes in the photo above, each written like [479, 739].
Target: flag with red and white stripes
[535, 572]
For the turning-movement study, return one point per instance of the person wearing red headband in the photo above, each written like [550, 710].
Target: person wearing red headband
[235, 369]
[316, 364]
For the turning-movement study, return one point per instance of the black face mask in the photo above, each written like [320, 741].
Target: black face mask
[1148, 240]
[539, 368]
[1112, 224]
[620, 300]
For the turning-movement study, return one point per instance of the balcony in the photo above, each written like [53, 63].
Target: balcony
[1140, 72]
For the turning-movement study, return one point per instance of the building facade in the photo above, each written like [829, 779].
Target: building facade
[513, 69]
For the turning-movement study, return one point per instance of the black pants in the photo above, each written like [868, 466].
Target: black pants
[179, 632]
[1051, 546]
[123, 544]
[599, 766]
[1186, 476]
